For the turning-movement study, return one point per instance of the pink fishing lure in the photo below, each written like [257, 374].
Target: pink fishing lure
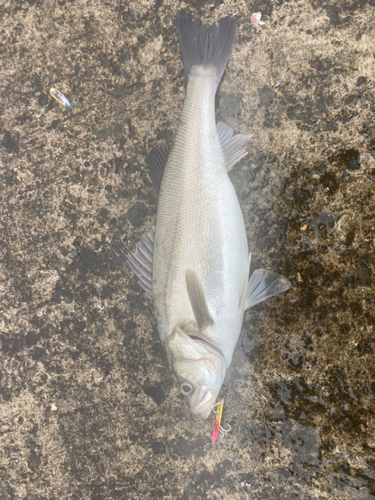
[216, 430]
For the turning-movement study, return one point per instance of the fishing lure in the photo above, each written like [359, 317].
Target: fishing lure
[218, 430]
[56, 94]
[219, 413]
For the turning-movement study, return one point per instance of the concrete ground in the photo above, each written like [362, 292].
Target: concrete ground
[89, 408]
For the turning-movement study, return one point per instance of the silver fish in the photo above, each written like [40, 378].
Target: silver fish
[195, 264]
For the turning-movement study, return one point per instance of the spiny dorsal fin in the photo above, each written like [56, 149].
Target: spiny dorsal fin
[263, 285]
[156, 161]
[198, 301]
[140, 261]
[231, 146]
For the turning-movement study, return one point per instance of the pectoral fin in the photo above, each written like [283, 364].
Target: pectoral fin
[198, 301]
[263, 285]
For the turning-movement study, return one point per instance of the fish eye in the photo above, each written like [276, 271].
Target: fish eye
[186, 388]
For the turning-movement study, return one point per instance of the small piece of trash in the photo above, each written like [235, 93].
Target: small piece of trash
[56, 94]
[246, 485]
[255, 20]
[53, 407]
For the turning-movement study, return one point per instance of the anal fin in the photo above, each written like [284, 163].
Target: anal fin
[232, 146]
[263, 285]
[140, 261]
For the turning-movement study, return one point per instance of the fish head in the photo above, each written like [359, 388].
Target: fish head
[200, 370]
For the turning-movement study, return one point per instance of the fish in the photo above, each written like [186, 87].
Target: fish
[194, 263]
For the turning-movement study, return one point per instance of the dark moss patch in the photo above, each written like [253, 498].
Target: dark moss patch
[137, 214]
[9, 141]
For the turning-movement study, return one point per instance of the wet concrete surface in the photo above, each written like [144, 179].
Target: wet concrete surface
[89, 407]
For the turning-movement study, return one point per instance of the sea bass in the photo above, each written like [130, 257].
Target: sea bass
[195, 263]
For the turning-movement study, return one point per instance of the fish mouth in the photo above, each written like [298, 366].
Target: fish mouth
[204, 396]
[202, 407]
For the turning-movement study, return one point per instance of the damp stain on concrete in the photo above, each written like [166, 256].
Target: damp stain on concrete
[89, 405]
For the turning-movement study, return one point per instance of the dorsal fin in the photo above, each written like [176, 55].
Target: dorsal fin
[156, 161]
[198, 301]
[140, 261]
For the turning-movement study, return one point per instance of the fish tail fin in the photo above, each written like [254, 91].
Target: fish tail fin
[203, 45]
